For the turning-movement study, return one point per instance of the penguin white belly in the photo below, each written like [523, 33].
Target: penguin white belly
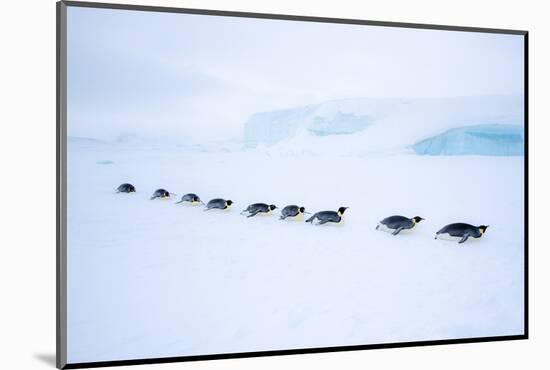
[406, 231]
[382, 227]
[447, 237]
[190, 204]
[335, 224]
[298, 217]
[268, 213]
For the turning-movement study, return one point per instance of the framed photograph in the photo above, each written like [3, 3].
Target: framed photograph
[238, 184]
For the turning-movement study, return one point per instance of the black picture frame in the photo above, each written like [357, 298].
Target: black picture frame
[61, 212]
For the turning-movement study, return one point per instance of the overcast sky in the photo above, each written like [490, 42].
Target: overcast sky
[196, 76]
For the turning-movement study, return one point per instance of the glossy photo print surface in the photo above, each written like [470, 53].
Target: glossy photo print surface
[241, 185]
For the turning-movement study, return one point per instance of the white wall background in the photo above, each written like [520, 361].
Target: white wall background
[27, 163]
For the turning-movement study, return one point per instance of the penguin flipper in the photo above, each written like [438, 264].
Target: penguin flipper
[153, 197]
[282, 217]
[181, 201]
[252, 214]
[464, 238]
[377, 227]
[311, 219]
[397, 231]
[322, 222]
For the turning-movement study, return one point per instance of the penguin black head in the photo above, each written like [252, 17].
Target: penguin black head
[302, 209]
[132, 189]
[195, 198]
[229, 202]
[482, 228]
[166, 194]
[272, 207]
[417, 219]
[341, 210]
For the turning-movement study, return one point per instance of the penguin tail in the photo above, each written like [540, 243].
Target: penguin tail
[377, 227]
[153, 198]
[310, 219]
[181, 201]
[282, 217]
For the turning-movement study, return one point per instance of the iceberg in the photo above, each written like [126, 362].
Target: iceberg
[340, 124]
[272, 127]
[358, 126]
[337, 117]
[488, 139]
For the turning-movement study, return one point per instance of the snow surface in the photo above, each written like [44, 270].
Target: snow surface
[154, 279]
[381, 125]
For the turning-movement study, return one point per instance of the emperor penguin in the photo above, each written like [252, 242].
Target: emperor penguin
[328, 216]
[461, 232]
[162, 194]
[395, 224]
[126, 188]
[253, 209]
[293, 211]
[218, 203]
[191, 198]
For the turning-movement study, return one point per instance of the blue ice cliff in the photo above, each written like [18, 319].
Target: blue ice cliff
[491, 139]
